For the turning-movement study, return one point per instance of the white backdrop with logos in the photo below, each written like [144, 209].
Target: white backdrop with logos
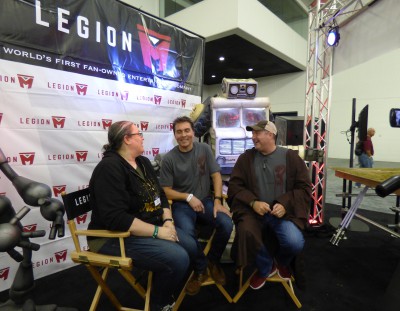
[53, 124]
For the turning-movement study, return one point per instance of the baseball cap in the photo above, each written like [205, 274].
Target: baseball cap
[263, 125]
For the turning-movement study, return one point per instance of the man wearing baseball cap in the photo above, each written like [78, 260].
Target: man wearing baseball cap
[263, 125]
[269, 194]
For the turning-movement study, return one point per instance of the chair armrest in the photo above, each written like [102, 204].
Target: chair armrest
[104, 233]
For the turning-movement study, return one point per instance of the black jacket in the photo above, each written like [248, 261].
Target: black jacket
[118, 193]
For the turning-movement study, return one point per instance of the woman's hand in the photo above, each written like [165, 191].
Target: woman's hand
[167, 232]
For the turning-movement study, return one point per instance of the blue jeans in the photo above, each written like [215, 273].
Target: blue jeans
[168, 260]
[185, 218]
[365, 161]
[290, 240]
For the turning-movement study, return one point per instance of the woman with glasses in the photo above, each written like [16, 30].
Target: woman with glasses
[126, 195]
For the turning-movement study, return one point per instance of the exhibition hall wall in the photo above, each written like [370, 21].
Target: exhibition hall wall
[68, 70]
[366, 67]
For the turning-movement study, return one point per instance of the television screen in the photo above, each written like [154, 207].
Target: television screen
[395, 117]
[363, 124]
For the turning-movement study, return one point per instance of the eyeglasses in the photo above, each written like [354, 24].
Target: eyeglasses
[133, 134]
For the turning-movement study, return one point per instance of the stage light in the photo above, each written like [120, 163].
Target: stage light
[333, 36]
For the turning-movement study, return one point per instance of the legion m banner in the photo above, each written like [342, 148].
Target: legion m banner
[102, 38]
[68, 70]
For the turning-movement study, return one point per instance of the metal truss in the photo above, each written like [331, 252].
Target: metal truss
[322, 16]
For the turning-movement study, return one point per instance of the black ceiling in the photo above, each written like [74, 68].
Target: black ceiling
[240, 55]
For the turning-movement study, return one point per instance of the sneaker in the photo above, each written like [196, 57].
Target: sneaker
[157, 307]
[273, 271]
[168, 307]
[194, 284]
[257, 281]
[284, 272]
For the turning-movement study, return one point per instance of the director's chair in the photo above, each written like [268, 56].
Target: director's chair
[206, 238]
[76, 205]
[276, 278]
[244, 284]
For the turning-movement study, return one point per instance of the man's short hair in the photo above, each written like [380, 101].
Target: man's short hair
[182, 120]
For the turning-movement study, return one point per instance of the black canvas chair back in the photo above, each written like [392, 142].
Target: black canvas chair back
[77, 204]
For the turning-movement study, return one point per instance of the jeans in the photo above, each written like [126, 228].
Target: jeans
[168, 260]
[365, 161]
[290, 240]
[185, 218]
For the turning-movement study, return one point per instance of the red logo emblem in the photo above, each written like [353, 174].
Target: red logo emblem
[27, 158]
[81, 156]
[58, 190]
[58, 122]
[144, 125]
[30, 228]
[155, 151]
[4, 273]
[61, 256]
[81, 219]
[183, 103]
[157, 99]
[81, 89]
[154, 46]
[106, 123]
[1, 116]
[171, 126]
[25, 81]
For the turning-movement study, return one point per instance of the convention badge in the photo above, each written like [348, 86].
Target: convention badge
[157, 201]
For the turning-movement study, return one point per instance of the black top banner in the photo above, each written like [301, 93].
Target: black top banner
[102, 38]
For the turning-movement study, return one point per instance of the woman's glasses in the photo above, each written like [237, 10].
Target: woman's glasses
[133, 134]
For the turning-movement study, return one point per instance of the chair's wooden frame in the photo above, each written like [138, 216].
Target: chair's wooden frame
[94, 262]
[287, 284]
[207, 282]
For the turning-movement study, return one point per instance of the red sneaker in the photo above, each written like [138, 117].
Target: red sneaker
[274, 270]
[284, 272]
[257, 281]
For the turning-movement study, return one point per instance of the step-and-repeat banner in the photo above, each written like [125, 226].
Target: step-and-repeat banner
[68, 70]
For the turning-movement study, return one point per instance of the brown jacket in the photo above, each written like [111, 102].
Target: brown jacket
[243, 189]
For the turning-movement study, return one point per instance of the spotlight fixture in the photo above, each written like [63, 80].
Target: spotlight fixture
[333, 36]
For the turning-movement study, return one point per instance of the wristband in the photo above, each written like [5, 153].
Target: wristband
[168, 219]
[189, 197]
[252, 203]
[155, 232]
[218, 198]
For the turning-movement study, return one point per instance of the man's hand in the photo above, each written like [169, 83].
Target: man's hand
[218, 207]
[196, 205]
[261, 208]
[278, 210]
